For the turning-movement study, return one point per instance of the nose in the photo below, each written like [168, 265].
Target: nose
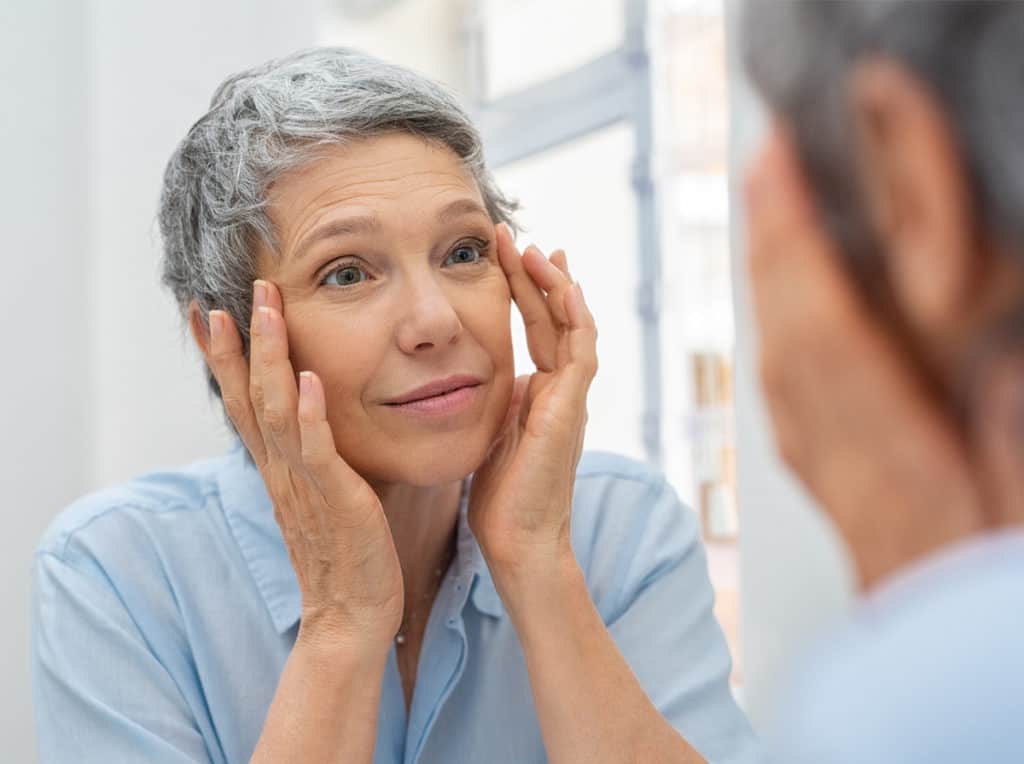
[428, 320]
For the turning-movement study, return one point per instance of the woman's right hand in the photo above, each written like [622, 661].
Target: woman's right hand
[333, 524]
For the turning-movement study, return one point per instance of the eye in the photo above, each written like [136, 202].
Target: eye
[465, 254]
[347, 275]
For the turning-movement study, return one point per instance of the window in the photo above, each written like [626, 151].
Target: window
[608, 120]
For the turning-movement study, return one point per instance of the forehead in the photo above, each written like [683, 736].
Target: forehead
[396, 172]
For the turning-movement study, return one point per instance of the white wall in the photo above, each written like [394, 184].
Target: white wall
[97, 381]
[43, 313]
[153, 67]
[794, 577]
[425, 35]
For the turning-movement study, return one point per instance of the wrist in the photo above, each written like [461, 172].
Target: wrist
[329, 645]
[541, 578]
[525, 555]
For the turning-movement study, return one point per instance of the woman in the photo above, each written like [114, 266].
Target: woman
[885, 205]
[385, 571]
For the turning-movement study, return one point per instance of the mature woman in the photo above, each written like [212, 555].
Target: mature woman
[887, 261]
[384, 567]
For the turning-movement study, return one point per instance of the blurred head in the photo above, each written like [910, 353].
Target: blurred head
[908, 120]
[359, 189]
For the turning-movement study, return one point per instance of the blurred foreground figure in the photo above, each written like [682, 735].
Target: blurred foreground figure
[887, 260]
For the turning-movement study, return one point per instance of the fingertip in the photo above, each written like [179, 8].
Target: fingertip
[309, 398]
[573, 303]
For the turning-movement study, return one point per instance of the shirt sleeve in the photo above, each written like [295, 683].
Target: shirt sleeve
[928, 669]
[665, 628]
[101, 694]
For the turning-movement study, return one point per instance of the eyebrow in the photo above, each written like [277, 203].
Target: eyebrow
[357, 224]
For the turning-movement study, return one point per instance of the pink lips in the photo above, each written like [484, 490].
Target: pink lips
[442, 397]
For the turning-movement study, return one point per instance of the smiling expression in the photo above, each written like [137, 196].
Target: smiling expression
[394, 296]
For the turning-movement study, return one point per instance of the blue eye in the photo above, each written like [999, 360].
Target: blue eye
[464, 254]
[348, 275]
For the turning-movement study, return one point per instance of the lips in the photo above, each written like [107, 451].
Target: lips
[435, 389]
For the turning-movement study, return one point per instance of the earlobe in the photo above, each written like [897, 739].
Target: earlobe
[917, 193]
[200, 331]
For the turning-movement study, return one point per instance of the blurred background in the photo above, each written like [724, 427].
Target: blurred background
[622, 126]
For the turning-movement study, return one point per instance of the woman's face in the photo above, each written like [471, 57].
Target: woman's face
[390, 282]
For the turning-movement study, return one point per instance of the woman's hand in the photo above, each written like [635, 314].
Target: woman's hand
[522, 494]
[333, 524]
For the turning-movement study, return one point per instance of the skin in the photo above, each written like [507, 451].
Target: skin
[367, 497]
[867, 431]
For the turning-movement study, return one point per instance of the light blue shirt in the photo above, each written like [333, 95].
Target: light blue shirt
[930, 670]
[165, 608]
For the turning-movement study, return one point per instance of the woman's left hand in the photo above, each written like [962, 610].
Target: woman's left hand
[522, 494]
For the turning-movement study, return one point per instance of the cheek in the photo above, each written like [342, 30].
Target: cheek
[324, 343]
[486, 314]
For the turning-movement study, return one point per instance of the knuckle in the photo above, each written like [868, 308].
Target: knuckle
[315, 459]
[276, 420]
[236, 408]
[221, 355]
[256, 395]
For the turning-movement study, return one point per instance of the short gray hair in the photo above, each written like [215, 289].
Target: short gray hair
[970, 53]
[269, 120]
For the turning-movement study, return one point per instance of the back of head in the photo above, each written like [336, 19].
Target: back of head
[969, 53]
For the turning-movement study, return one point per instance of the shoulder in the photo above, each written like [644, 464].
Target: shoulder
[934, 643]
[128, 512]
[615, 490]
[630, 528]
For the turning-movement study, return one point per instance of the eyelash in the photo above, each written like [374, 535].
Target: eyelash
[482, 246]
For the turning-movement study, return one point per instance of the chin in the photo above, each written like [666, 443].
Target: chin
[431, 461]
[444, 462]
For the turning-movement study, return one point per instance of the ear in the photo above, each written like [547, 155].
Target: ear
[918, 195]
[200, 330]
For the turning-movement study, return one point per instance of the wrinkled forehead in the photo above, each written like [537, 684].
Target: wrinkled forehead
[386, 184]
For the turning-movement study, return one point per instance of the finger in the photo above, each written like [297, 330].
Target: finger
[581, 341]
[551, 281]
[558, 260]
[231, 370]
[541, 335]
[331, 474]
[272, 379]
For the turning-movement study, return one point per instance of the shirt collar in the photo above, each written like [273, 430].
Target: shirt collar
[250, 516]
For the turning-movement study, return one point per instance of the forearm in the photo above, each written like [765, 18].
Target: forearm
[325, 707]
[590, 705]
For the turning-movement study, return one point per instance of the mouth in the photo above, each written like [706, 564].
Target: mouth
[442, 396]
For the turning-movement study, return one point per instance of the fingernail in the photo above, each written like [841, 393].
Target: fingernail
[259, 294]
[264, 318]
[305, 383]
[215, 325]
[579, 290]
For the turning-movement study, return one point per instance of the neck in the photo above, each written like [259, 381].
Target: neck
[424, 523]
